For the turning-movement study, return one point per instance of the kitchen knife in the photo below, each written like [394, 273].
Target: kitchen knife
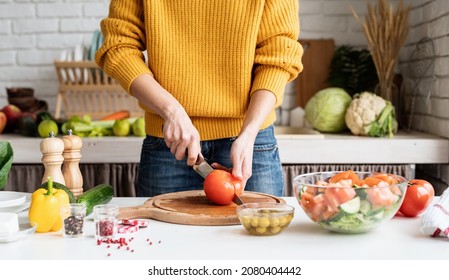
[237, 200]
[203, 168]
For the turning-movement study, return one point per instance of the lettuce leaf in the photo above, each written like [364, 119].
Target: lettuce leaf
[6, 157]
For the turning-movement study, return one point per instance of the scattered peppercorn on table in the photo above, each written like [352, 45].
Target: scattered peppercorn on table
[399, 238]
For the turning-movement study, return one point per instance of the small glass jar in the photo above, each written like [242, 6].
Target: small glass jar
[73, 219]
[105, 219]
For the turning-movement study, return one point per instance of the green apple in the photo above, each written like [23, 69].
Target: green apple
[121, 127]
[46, 126]
[138, 127]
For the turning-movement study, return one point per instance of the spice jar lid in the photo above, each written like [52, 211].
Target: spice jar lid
[106, 209]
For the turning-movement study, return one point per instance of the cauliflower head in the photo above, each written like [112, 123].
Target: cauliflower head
[370, 114]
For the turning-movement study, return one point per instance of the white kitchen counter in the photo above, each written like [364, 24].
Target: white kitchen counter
[309, 148]
[398, 239]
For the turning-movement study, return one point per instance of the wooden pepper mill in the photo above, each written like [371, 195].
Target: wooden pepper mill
[70, 168]
[52, 149]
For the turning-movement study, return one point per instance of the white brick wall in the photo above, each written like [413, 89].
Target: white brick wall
[34, 32]
[430, 18]
[32, 35]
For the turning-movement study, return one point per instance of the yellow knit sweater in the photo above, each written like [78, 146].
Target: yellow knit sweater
[210, 55]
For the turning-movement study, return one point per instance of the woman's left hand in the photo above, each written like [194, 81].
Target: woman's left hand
[242, 157]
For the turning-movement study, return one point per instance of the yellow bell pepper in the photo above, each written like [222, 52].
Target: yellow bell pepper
[45, 208]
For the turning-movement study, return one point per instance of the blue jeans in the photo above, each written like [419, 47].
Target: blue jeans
[160, 172]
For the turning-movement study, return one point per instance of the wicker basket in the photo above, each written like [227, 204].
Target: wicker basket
[85, 89]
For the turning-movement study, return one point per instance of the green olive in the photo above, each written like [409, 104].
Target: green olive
[274, 221]
[275, 230]
[255, 221]
[265, 221]
[246, 222]
[283, 221]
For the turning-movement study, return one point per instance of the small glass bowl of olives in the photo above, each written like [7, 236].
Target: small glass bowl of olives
[265, 218]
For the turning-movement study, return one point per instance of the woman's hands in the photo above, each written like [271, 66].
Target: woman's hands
[182, 138]
[242, 157]
[261, 104]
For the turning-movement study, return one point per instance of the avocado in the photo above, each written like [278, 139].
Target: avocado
[28, 126]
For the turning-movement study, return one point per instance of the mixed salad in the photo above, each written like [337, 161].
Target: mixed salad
[347, 203]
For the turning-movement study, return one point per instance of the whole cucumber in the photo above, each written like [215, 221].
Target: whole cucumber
[100, 194]
[60, 186]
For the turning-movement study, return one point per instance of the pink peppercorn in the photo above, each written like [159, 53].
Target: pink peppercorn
[105, 228]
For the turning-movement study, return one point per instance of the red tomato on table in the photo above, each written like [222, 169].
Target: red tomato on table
[220, 187]
[418, 196]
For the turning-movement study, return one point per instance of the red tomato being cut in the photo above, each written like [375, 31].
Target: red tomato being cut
[418, 197]
[220, 187]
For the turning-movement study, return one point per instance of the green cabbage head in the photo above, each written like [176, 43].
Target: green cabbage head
[325, 111]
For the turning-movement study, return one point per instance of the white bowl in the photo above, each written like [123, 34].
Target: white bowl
[8, 199]
[25, 229]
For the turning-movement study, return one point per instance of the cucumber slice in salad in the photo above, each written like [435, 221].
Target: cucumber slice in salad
[365, 207]
[352, 206]
[379, 215]
[361, 192]
[374, 212]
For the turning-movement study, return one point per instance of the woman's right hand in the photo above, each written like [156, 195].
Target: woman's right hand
[182, 138]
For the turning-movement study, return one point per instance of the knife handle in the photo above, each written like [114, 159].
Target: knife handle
[200, 159]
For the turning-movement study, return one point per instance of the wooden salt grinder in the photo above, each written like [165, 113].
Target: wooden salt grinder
[70, 168]
[52, 149]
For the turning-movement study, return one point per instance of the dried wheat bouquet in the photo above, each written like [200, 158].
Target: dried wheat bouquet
[386, 30]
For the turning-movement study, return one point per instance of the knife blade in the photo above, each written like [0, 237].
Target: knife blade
[203, 168]
[237, 200]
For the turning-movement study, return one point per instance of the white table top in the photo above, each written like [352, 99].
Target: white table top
[399, 238]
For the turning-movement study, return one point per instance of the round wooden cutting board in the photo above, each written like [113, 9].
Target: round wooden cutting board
[191, 208]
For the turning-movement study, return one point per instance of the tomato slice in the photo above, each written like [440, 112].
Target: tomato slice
[337, 196]
[345, 175]
[372, 181]
[381, 197]
[391, 180]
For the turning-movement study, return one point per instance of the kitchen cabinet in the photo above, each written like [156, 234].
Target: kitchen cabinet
[114, 160]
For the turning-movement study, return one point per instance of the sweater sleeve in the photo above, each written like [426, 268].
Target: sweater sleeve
[121, 55]
[278, 52]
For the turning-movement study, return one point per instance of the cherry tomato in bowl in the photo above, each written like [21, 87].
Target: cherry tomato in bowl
[220, 187]
[418, 197]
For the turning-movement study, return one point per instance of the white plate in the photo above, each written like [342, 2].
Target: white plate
[20, 207]
[25, 230]
[100, 40]
[8, 199]
[94, 44]
[78, 55]
[63, 57]
[70, 71]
